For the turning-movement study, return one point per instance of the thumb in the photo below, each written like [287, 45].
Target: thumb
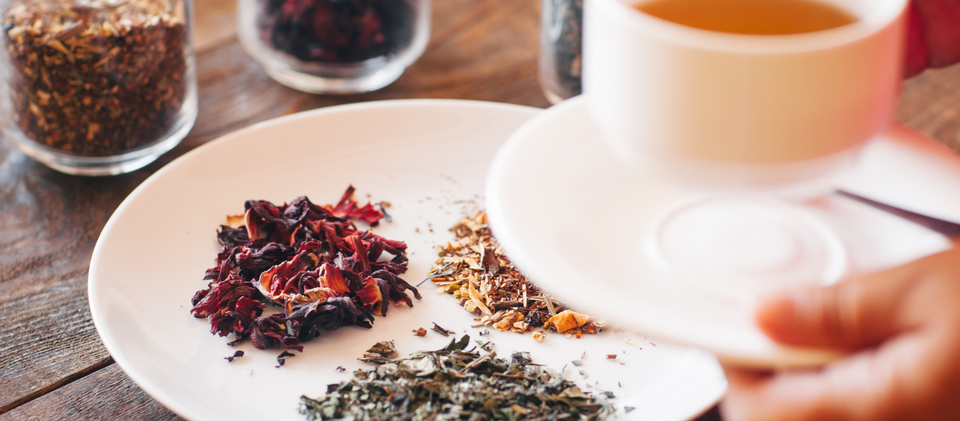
[852, 314]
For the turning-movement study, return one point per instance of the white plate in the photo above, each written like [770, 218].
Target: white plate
[428, 158]
[574, 218]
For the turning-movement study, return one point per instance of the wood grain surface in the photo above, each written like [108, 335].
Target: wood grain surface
[52, 364]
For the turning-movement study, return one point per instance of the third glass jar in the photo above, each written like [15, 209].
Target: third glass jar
[560, 51]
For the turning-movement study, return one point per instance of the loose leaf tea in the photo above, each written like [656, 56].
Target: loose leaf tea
[96, 79]
[474, 269]
[309, 260]
[454, 383]
[338, 31]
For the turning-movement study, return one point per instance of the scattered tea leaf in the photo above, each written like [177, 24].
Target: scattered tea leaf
[486, 346]
[456, 345]
[382, 207]
[440, 330]
[282, 358]
[235, 355]
[381, 351]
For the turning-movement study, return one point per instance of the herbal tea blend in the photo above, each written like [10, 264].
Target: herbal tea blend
[309, 260]
[96, 79]
[454, 383]
[474, 269]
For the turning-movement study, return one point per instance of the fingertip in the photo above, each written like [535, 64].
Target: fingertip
[783, 396]
[776, 315]
[739, 377]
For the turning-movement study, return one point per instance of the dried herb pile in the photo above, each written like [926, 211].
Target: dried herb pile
[453, 384]
[474, 269]
[310, 260]
[338, 31]
[96, 79]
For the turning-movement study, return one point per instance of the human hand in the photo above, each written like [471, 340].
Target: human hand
[903, 328]
[933, 35]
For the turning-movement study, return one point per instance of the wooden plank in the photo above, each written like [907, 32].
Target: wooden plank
[930, 103]
[49, 223]
[214, 24]
[107, 394]
[47, 339]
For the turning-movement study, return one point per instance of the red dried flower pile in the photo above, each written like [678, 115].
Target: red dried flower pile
[310, 260]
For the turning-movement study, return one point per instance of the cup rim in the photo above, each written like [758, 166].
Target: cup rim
[876, 20]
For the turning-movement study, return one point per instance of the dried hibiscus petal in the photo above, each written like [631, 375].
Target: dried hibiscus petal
[347, 208]
[274, 283]
[232, 237]
[271, 332]
[259, 260]
[371, 296]
[222, 295]
[309, 319]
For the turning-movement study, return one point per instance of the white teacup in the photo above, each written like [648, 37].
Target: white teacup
[751, 110]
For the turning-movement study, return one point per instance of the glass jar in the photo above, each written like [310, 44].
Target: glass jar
[560, 51]
[334, 46]
[96, 87]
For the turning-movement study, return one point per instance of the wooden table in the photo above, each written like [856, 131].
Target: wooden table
[52, 363]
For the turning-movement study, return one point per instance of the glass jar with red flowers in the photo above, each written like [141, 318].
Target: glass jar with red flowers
[334, 46]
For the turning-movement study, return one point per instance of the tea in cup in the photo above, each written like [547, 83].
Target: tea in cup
[742, 92]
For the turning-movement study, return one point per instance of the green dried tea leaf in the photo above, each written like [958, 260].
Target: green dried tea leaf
[452, 383]
[385, 348]
[456, 345]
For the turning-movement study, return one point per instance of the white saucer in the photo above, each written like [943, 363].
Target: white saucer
[429, 159]
[575, 219]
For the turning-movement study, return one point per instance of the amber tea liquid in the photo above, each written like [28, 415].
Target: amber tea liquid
[755, 17]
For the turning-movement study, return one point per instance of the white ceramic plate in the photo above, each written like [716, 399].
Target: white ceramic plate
[429, 159]
[566, 209]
